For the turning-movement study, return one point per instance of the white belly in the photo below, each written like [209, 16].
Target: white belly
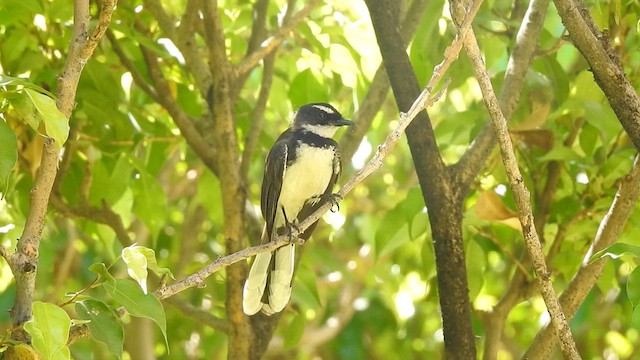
[308, 177]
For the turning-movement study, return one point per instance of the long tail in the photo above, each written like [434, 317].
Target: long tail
[281, 276]
[278, 273]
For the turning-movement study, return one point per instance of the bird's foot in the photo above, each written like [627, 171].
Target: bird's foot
[290, 227]
[334, 199]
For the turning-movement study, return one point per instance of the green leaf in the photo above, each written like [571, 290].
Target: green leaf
[633, 286]
[635, 318]
[137, 303]
[8, 155]
[25, 109]
[103, 323]
[561, 153]
[55, 123]
[101, 270]
[616, 250]
[10, 80]
[49, 331]
[306, 88]
[149, 204]
[136, 266]
[588, 139]
[305, 290]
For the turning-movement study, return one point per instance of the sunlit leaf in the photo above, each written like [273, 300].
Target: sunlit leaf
[104, 324]
[152, 262]
[55, 123]
[136, 265]
[49, 330]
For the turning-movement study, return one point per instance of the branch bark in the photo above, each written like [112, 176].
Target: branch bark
[379, 88]
[443, 194]
[233, 192]
[24, 261]
[522, 200]
[271, 44]
[605, 65]
[610, 229]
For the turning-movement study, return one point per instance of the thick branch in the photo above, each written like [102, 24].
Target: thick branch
[228, 160]
[522, 199]
[443, 196]
[379, 87]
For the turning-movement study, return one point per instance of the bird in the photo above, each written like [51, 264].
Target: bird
[300, 172]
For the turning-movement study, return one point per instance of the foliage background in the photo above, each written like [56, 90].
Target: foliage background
[365, 286]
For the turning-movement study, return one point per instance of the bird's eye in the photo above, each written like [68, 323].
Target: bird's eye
[322, 115]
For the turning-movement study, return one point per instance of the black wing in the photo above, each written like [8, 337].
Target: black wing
[274, 169]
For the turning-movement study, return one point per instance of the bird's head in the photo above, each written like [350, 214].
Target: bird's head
[319, 118]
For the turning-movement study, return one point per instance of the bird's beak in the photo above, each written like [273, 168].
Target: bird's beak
[344, 122]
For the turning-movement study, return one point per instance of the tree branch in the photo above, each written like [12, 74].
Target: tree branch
[273, 42]
[228, 160]
[199, 315]
[258, 116]
[523, 50]
[522, 200]
[185, 123]
[606, 68]
[379, 87]
[137, 77]
[608, 233]
[24, 261]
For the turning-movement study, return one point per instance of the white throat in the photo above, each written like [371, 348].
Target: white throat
[322, 130]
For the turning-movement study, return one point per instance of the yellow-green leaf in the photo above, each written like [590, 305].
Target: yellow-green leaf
[55, 123]
[49, 330]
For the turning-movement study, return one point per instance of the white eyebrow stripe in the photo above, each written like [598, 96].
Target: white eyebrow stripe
[324, 108]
